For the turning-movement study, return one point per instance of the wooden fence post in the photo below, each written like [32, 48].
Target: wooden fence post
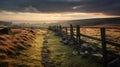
[104, 50]
[78, 33]
[57, 29]
[60, 29]
[71, 32]
[66, 31]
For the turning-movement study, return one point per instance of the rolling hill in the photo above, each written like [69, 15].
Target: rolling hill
[91, 22]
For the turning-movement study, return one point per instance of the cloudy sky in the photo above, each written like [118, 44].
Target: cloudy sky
[36, 10]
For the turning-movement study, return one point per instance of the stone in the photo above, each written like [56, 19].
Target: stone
[66, 42]
[75, 53]
[71, 42]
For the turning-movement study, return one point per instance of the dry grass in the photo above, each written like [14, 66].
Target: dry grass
[32, 56]
[112, 35]
[9, 43]
[12, 43]
[6, 63]
[3, 56]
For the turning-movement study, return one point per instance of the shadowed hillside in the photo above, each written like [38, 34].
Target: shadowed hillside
[4, 23]
[91, 22]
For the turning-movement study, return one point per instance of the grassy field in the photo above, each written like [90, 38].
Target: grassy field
[61, 55]
[112, 35]
[32, 56]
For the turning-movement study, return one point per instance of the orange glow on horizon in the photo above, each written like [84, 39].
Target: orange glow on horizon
[11, 16]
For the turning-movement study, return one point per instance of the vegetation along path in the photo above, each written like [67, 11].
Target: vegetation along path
[32, 56]
[61, 55]
[47, 51]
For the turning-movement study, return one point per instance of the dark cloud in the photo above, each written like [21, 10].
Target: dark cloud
[104, 6]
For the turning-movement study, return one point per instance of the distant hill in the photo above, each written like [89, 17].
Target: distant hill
[4, 23]
[81, 22]
[92, 22]
[98, 21]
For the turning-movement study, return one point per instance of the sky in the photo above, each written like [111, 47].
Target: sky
[37, 10]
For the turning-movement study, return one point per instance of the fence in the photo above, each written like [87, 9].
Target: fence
[103, 40]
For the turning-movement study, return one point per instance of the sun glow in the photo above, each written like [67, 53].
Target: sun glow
[11, 16]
